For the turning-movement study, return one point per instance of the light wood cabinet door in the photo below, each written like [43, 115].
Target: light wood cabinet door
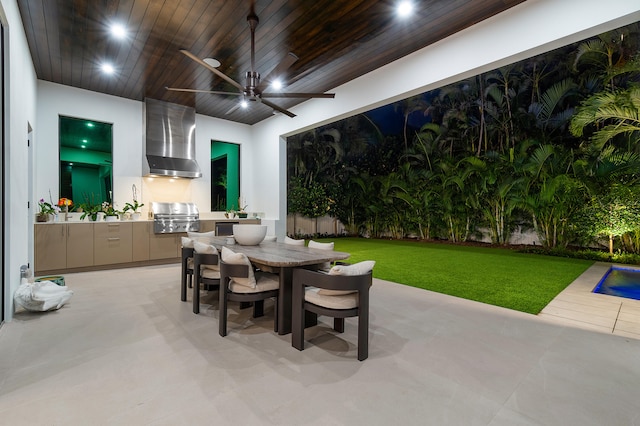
[163, 246]
[112, 243]
[141, 241]
[79, 245]
[207, 225]
[50, 246]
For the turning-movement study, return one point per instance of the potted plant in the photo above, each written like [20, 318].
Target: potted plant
[46, 209]
[111, 214]
[135, 214]
[64, 204]
[242, 213]
[89, 210]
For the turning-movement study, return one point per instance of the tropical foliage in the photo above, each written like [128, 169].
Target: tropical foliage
[549, 144]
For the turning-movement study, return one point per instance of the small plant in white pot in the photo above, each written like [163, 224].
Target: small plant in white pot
[135, 214]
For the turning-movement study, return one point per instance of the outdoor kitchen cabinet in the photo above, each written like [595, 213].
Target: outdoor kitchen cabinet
[60, 245]
[112, 243]
[51, 246]
[163, 246]
[79, 245]
[141, 233]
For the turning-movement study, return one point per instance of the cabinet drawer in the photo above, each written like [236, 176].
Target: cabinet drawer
[112, 243]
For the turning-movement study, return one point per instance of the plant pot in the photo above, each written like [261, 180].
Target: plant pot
[111, 218]
[100, 216]
[136, 216]
[41, 217]
[243, 215]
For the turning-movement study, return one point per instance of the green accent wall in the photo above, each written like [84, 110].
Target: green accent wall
[232, 153]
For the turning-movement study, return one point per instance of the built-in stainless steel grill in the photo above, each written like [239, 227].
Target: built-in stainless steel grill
[170, 218]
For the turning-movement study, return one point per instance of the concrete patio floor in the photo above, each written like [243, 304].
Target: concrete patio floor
[126, 350]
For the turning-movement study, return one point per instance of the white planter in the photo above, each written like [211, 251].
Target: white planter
[136, 216]
[111, 218]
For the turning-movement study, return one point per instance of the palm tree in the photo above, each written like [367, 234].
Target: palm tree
[612, 113]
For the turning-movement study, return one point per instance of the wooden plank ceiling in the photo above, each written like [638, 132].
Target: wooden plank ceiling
[335, 40]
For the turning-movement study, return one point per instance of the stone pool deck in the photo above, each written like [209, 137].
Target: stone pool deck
[578, 306]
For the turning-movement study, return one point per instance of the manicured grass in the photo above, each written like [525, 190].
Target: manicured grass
[501, 277]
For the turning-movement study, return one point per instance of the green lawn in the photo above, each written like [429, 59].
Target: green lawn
[501, 277]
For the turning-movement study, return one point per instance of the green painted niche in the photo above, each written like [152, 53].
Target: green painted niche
[225, 175]
[86, 161]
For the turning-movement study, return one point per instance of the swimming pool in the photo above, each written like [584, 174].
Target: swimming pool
[621, 282]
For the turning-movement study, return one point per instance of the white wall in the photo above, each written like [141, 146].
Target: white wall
[127, 119]
[20, 112]
[531, 28]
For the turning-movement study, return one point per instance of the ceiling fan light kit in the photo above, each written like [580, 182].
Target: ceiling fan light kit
[253, 89]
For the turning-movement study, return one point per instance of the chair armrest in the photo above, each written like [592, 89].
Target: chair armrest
[305, 277]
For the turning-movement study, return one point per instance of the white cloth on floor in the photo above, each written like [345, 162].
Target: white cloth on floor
[41, 296]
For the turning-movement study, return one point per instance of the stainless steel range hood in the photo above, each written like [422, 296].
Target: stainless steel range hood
[170, 140]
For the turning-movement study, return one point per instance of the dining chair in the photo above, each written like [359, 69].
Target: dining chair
[206, 268]
[187, 255]
[186, 275]
[322, 246]
[239, 283]
[341, 293]
[293, 242]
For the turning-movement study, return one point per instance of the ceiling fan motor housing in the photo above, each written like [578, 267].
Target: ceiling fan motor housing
[252, 82]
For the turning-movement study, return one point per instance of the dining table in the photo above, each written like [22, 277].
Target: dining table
[282, 259]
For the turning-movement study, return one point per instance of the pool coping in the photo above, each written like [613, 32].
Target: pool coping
[578, 306]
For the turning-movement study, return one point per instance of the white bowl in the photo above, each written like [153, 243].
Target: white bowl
[249, 235]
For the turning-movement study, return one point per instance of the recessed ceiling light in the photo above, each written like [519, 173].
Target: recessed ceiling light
[83, 147]
[84, 141]
[107, 68]
[90, 124]
[118, 31]
[277, 84]
[405, 8]
[211, 62]
[244, 104]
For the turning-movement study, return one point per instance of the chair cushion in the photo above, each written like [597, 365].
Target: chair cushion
[211, 274]
[359, 268]
[201, 234]
[204, 237]
[233, 258]
[186, 242]
[344, 301]
[204, 248]
[293, 242]
[264, 282]
[321, 246]
[326, 266]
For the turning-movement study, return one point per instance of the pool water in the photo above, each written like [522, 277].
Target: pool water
[621, 282]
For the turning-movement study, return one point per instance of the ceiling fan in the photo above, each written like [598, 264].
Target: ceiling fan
[254, 88]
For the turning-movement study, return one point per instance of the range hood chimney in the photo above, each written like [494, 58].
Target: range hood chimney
[170, 140]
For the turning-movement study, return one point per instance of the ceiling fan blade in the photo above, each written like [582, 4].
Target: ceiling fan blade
[284, 65]
[212, 69]
[213, 92]
[233, 108]
[299, 95]
[277, 108]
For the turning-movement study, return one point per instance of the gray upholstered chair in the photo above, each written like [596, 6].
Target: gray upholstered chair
[206, 271]
[337, 296]
[239, 283]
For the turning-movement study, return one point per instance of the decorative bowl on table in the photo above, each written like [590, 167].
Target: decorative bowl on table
[249, 235]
